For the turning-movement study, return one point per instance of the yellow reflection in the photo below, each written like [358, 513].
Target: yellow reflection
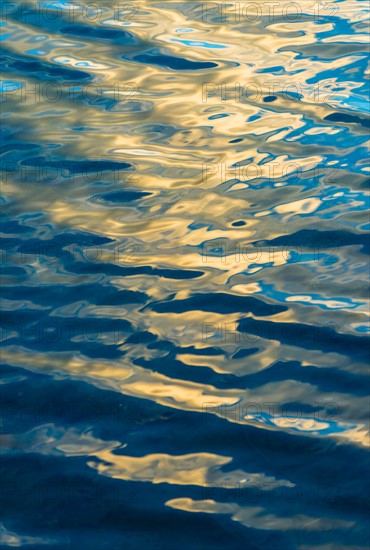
[257, 517]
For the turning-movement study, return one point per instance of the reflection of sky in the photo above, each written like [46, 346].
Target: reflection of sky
[199, 44]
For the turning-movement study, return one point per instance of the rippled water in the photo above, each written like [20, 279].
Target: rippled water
[185, 276]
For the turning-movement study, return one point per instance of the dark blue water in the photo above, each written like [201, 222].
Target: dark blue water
[184, 288]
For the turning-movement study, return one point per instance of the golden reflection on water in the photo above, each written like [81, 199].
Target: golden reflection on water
[179, 137]
[231, 405]
[257, 517]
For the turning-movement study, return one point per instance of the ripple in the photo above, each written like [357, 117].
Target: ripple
[185, 283]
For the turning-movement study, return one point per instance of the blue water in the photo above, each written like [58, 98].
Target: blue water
[184, 287]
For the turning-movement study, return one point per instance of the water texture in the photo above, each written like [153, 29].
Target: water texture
[184, 288]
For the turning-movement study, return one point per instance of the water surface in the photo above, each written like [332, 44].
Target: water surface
[184, 303]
